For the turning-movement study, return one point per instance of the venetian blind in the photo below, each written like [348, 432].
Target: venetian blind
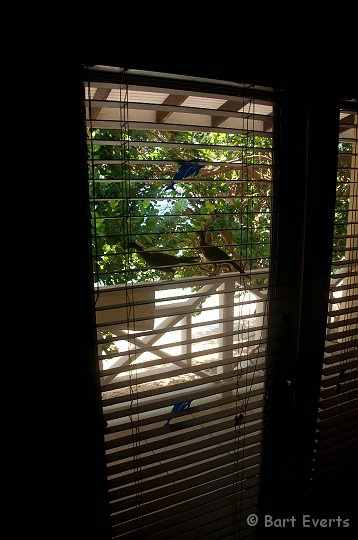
[336, 435]
[182, 342]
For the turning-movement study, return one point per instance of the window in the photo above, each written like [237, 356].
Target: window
[182, 343]
[225, 389]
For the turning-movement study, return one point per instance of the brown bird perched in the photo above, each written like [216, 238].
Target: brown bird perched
[217, 256]
[162, 261]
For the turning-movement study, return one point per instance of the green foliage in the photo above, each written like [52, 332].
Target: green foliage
[129, 200]
[342, 200]
[108, 346]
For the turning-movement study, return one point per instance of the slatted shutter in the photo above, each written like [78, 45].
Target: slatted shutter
[182, 354]
[336, 437]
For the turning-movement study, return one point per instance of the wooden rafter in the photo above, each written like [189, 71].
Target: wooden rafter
[233, 106]
[346, 123]
[100, 94]
[172, 99]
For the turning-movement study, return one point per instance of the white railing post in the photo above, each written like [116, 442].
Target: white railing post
[226, 314]
[186, 336]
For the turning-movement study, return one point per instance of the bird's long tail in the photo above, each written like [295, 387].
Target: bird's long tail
[189, 259]
[239, 267]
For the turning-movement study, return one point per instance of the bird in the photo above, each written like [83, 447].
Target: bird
[162, 261]
[217, 256]
[192, 168]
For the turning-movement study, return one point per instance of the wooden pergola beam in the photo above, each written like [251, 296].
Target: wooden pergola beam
[100, 94]
[346, 123]
[233, 106]
[172, 99]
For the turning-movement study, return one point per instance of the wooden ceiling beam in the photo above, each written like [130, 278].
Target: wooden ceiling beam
[233, 106]
[100, 94]
[172, 99]
[346, 123]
